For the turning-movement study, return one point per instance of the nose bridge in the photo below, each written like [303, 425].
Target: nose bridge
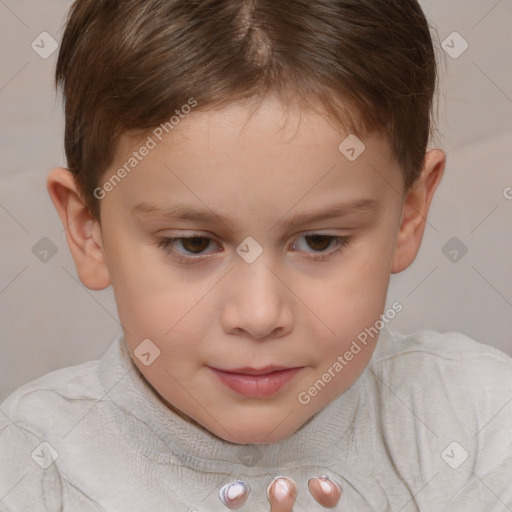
[257, 299]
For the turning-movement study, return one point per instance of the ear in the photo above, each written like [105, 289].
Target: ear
[83, 232]
[415, 209]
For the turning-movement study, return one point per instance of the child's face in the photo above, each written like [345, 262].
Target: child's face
[285, 308]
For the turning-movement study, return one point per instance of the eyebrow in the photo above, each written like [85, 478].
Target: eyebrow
[182, 212]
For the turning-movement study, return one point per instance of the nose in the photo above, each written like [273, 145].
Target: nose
[257, 301]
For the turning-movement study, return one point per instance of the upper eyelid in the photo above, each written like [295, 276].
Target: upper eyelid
[212, 238]
[312, 232]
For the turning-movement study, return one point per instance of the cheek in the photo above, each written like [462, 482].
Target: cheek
[356, 295]
[150, 295]
[350, 306]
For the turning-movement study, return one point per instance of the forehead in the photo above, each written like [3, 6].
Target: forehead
[281, 115]
[255, 157]
[245, 125]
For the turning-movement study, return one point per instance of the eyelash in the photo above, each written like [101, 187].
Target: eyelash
[167, 243]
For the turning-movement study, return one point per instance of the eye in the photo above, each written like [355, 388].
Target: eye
[320, 242]
[193, 245]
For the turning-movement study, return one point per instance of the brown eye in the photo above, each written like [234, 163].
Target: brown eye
[320, 246]
[197, 243]
[188, 250]
[319, 242]
[185, 246]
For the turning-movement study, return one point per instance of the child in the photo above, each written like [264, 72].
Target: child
[247, 174]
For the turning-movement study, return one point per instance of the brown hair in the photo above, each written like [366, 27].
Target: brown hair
[126, 66]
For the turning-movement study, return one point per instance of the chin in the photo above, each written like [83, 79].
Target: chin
[250, 434]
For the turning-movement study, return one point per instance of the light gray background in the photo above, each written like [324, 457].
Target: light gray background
[48, 320]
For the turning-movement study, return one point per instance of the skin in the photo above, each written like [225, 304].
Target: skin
[285, 308]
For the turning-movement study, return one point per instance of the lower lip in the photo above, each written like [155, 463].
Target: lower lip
[257, 386]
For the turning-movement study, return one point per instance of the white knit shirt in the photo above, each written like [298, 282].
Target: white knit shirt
[427, 427]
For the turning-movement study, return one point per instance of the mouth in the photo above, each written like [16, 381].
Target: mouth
[257, 383]
[246, 370]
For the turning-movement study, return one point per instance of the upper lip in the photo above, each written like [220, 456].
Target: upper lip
[253, 371]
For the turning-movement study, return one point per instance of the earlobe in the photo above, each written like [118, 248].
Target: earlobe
[83, 232]
[415, 210]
